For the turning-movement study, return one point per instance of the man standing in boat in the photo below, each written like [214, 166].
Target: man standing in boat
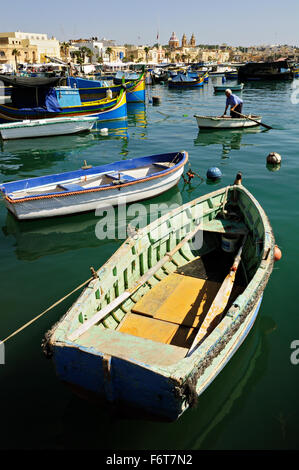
[234, 102]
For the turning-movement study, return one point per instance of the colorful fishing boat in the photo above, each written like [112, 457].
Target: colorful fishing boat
[182, 81]
[231, 75]
[46, 127]
[164, 315]
[97, 89]
[93, 188]
[36, 98]
[222, 88]
[226, 122]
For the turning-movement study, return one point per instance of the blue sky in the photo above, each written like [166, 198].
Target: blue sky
[137, 22]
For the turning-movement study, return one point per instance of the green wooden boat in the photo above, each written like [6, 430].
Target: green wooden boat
[165, 313]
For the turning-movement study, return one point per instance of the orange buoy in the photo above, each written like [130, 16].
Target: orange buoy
[277, 253]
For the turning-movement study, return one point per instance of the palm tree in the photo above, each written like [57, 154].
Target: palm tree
[17, 54]
[64, 47]
[109, 52]
[167, 55]
[84, 52]
[146, 50]
[177, 57]
[89, 54]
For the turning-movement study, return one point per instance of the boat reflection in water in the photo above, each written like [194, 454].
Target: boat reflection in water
[137, 115]
[229, 139]
[41, 153]
[38, 238]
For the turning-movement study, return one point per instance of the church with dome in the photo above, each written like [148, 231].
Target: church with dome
[175, 44]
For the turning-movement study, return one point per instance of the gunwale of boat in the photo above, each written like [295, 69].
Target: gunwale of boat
[235, 317]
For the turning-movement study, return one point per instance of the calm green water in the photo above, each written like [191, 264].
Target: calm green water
[253, 403]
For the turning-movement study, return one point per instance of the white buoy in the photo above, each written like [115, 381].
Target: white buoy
[104, 131]
[274, 158]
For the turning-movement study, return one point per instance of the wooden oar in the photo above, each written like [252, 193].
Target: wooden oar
[219, 302]
[254, 120]
[125, 295]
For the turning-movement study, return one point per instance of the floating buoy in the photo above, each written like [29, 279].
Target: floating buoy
[214, 173]
[156, 100]
[277, 253]
[104, 131]
[273, 167]
[274, 158]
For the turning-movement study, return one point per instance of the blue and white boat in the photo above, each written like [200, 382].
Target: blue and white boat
[182, 81]
[93, 188]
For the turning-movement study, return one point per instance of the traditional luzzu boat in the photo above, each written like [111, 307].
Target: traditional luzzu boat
[97, 89]
[93, 188]
[231, 75]
[222, 88]
[41, 98]
[46, 127]
[163, 316]
[182, 81]
[219, 122]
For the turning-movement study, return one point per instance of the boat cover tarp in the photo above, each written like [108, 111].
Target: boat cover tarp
[35, 99]
[182, 78]
[83, 83]
[30, 81]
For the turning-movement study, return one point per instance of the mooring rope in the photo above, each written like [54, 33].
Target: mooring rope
[48, 309]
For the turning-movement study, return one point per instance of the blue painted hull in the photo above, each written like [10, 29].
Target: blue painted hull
[94, 90]
[112, 109]
[183, 85]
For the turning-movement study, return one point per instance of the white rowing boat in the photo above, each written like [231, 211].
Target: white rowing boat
[219, 122]
[93, 188]
[46, 127]
[238, 87]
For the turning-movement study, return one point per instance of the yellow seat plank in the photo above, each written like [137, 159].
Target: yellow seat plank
[157, 330]
[183, 300]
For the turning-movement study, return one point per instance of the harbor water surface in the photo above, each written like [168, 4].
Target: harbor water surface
[253, 403]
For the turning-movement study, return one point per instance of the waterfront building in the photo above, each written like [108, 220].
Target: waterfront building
[33, 47]
[92, 49]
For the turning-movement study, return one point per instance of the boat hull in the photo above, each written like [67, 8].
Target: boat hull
[183, 85]
[111, 109]
[46, 128]
[210, 122]
[135, 90]
[222, 88]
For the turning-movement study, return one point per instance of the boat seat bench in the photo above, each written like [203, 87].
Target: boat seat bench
[120, 177]
[70, 186]
[117, 344]
[173, 310]
[165, 166]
